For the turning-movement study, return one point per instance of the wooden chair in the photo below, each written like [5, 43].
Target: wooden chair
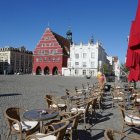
[56, 134]
[117, 96]
[90, 87]
[99, 96]
[74, 120]
[52, 103]
[84, 108]
[137, 100]
[78, 91]
[18, 126]
[129, 118]
[111, 134]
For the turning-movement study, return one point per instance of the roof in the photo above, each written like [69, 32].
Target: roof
[65, 44]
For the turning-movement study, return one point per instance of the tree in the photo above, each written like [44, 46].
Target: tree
[124, 69]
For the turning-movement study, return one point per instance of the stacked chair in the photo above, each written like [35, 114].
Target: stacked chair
[57, 105]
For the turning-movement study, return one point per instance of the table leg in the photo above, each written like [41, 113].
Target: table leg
[41, 125]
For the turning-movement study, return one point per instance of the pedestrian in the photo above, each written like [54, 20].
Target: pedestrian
[98, 77]
[102, 81]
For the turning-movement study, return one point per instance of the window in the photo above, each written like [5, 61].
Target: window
[84, 72]
[42, 52]
[47, 38]
[45, 59]
[43, 45]
[84, 64]
[76, 55]
[84, 55]
[50, 51]
[49, 59]
[54, 51]
[76, 72]
[92, 55]
[39, 52]
[45, 52]
[76, 64]
[53, 59]
[92, 64]
[40, 59]
[58, 59]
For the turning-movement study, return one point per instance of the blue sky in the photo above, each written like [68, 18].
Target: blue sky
[22, 22]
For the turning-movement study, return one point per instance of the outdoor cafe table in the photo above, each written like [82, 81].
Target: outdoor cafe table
[40, 115]
[70, 99]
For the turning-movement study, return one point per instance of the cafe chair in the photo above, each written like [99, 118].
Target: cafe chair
[83, 107]
[73, 118]
[52, 103]
[111, 134]
[90, 87]
[130, 119]
[117, 96]
[78, 91]
[17, 125]
[71, 130]
[137, 100]
[53, 134]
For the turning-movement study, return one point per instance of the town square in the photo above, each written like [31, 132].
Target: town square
[69, 70]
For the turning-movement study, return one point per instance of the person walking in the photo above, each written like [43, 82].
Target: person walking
[102, 81]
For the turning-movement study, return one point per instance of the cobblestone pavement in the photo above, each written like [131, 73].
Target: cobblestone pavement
[28, 91]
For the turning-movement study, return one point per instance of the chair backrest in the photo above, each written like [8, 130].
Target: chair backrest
[62, 131]
[11, 114]
[108, 134]
[123, 114]
[111, 134]
[89, 102]
[122, 110]
[67, 92]
[59, 133]
[76, 89]
[73, 118]
[49, 100]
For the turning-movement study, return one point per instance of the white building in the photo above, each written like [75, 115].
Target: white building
[116, 67]
[86, 59]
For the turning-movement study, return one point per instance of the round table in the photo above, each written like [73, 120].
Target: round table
[40, 115]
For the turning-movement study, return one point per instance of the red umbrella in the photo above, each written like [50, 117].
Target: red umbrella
[133, 52]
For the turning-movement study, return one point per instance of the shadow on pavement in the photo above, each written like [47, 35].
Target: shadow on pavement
[9, 94]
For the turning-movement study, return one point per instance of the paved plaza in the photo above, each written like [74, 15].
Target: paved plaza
[28, 91]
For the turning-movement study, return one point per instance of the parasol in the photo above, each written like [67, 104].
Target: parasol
[133, 51]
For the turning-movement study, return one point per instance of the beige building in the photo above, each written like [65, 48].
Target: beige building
[15, 60]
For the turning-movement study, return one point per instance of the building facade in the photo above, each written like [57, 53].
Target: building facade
[86, 59]
[116, 67]
[15, 60]
[50, 54]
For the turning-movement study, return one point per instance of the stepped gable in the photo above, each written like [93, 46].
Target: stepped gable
[52, 39]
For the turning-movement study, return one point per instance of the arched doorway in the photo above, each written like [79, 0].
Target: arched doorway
[46, 71]
[38, 71]
[55, 71]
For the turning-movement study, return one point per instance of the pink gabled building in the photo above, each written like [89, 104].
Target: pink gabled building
[51, 54]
